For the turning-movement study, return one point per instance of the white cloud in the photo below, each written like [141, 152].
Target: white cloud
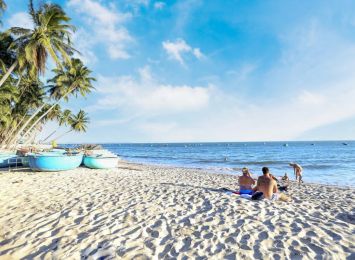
[310, 86]
[309, 98]
[177, 49]
[83, 43]
[159, 5]
[243, 73]
[197, 52]
[21, 19]
[107, 25]
[97, 12]
[138, 2]
[184, 10]
[146, 95]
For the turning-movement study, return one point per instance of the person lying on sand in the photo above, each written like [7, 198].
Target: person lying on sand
[246, 182]
[266, 187]
[297, 169]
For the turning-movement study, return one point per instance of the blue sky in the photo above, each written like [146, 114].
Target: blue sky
[194, 70]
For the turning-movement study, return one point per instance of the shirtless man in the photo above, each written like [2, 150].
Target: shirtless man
[268, 186]
[297, 169]
[245, 182]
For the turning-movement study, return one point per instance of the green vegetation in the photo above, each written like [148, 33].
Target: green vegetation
[26, 102]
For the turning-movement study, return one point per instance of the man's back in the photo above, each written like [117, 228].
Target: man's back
[266, 185]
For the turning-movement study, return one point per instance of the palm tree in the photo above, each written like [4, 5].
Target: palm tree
[54, 115]
[31, 96]
[9, 96]
[51, 36]
[2, 6]
[73, 78]
[78, 123]
[7, 57]
[64, 119]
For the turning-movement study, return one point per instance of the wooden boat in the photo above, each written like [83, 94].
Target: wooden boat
[54, 161]
[98, 161]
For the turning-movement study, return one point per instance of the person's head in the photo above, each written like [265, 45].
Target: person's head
[291, 164]
[265, 170]
[245, 171]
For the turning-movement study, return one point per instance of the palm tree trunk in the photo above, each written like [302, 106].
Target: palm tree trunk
[17, 135]
[62, 135]
[18, 81]
[44, 114]
[8, 73]
[49, 135]
[32, 136]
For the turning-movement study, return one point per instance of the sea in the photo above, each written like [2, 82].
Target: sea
[326, 162]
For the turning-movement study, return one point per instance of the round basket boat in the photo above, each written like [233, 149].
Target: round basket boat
[54, 162]
[100, 162]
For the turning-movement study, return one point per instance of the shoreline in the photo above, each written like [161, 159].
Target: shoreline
[236, 174]
[143, 211]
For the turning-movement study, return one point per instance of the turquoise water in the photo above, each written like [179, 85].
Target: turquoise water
[329, 162]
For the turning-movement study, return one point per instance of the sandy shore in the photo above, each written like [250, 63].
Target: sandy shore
[147, 212]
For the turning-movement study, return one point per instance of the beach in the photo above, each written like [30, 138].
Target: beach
[138, 211]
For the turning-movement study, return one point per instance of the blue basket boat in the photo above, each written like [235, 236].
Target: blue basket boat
[10, 160]
[53, 162]
[100, 162]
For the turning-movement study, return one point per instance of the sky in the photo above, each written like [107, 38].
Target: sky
[206, 70]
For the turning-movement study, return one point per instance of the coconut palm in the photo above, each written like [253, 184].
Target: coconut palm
[64, 119]
[54, 115]
[73, 78]
[9, 96]
[31, 96]
[25, 104]
[7, 57]
[78, 123]
[2, 6]
[51, 36]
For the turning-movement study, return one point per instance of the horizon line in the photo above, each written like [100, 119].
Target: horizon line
[211, 142]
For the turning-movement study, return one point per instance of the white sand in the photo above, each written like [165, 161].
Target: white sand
[147, 212]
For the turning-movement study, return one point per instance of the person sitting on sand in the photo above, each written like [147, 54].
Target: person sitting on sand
[297, 169]
[285, 182]
[285, 178]
[266, 187]
[246, 182]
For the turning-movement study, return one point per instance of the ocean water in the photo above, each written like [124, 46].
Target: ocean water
[330, 162]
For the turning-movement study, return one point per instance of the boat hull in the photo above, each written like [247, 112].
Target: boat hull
[95, 162]
[54, 162]
[10, 160]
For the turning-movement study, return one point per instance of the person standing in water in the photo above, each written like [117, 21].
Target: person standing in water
[297, 169]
